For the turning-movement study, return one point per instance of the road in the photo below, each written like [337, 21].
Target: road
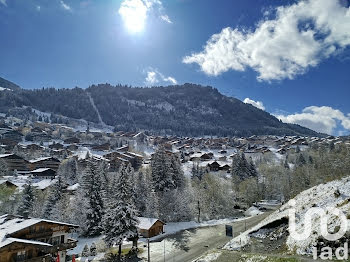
[191, 244]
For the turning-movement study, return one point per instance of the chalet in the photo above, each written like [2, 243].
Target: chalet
[103, 147]
[214, 166]
[72, 147]
[14, 162]
[119, 157]
[281, 151]
[44, 162]
[43, 173]
[150, 227]
[10, 134]
[34, 239]
[72, 140]
[123, 149]
[56, 146]
[225, 168]
[37, 134]
[34, 147]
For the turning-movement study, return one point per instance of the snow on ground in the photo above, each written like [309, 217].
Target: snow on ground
[174, 227]
[208, 258]
[84, 241]
[252, 211]
[334, 194]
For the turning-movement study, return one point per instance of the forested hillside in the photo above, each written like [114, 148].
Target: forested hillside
[188, 109]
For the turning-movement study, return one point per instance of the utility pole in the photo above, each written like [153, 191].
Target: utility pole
[164, 249]
[149, 252]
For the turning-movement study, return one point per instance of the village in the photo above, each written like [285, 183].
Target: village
[32, 152]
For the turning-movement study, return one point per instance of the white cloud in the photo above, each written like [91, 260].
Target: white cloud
[65, 6]
[135, 12]
[38, 8]
[154, 77]
[3, 2]
[257, 104]
[166, 19]
[323, 119]
[300, 36]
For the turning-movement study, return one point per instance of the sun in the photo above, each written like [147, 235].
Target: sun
[134, 14]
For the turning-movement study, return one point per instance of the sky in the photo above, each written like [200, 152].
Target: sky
[289, 58]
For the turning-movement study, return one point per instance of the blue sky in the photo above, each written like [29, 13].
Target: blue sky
[291, 56]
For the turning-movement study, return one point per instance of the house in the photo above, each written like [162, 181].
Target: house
[214, 166]
[150, 227]
[43, 173]
[44, 162]
[72, 140]
[14, 162]
[103, 147]
[10, 134]
[34, 239]
[119, 157]
[56, 146]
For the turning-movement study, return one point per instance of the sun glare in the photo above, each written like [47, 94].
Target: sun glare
[134, 14]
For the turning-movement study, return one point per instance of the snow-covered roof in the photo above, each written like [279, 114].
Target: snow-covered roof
[45, 183]
[11, 224]
[39, 159]
[73, 187]
[147, 222]
[40, 170]
[5, 155]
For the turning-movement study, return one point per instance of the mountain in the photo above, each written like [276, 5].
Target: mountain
[189, 109]
[5, 84]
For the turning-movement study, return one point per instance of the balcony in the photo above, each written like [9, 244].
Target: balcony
[63, 246]
[46, 258]
[39, 234]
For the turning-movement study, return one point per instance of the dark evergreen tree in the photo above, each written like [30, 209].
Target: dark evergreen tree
[93, 192]
[120, 219]
[25, 208]
[54, 196]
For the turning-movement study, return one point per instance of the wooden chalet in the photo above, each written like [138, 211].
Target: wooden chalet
[117, 158]
[10, 134]
[150, 227]
[34, 239]
[43, 173]
[44, 162]
[72, 140]
[14, 162]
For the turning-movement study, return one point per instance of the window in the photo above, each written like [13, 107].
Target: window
[56, 241]
[21, 256]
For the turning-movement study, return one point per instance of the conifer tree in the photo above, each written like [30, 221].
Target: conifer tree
[93, 192]
[53, 198]
[25, 208]
[120, 220]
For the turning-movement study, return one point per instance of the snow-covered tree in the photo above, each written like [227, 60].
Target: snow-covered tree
[54, 196]
[68, 171]
[25, 207]
[166, 169]
[162, 178]
[86, 251]
[91, 184]
[93, 249]
[3, 168]
[142, 192]
[120, 220]
[241, 168]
